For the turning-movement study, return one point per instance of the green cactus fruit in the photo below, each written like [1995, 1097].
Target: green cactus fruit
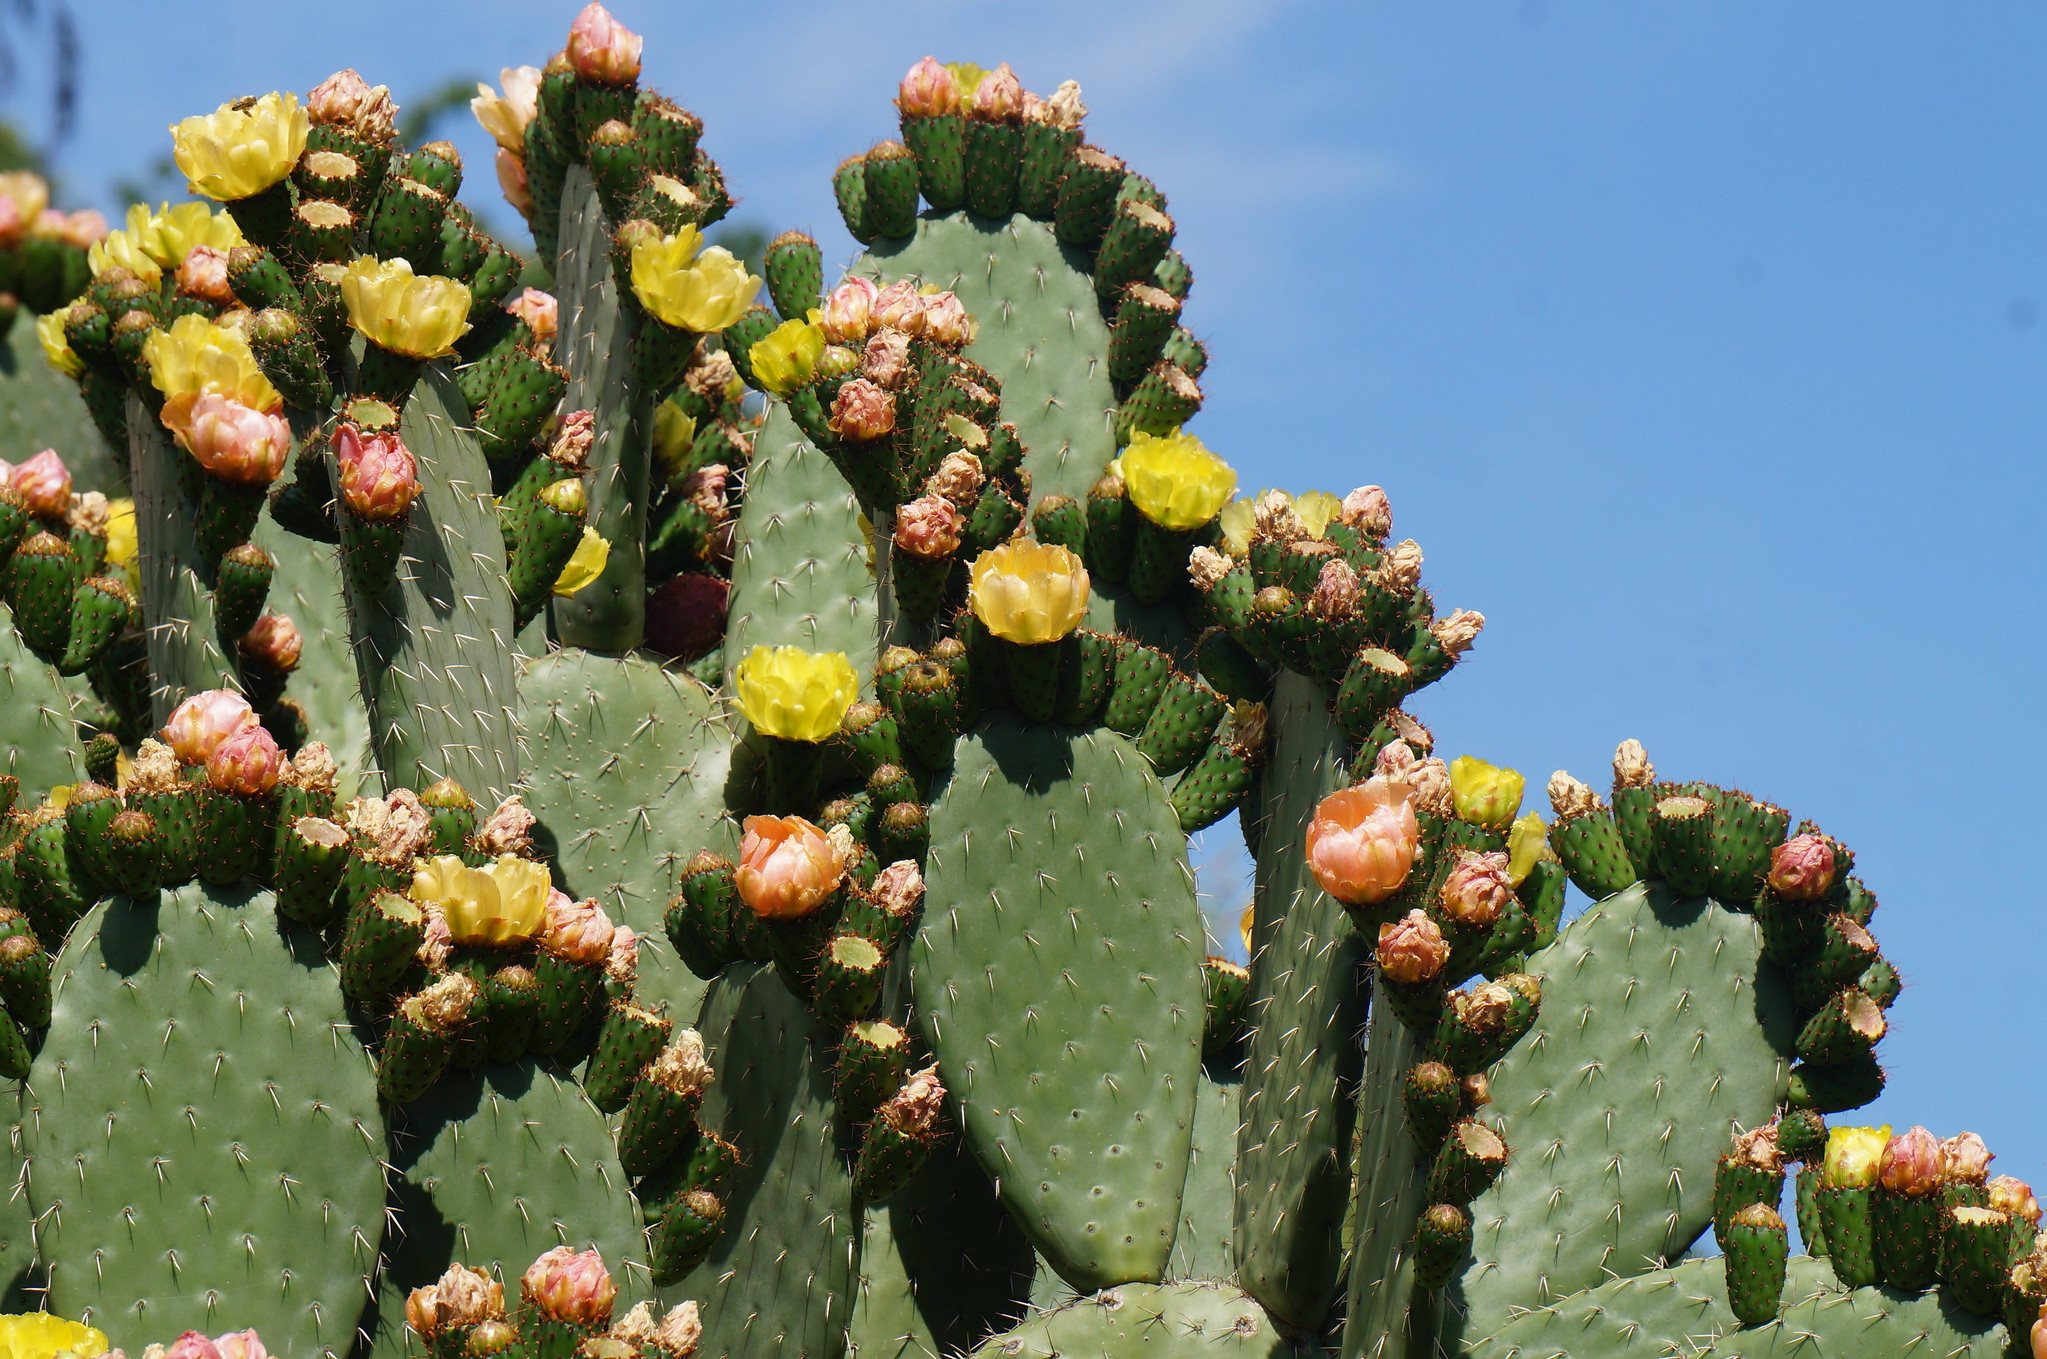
[1376, 681]
[1745, 831]
[1141, 677]
[284, 350]
[1835, 1089]
[569, 997]
[1976, 1258]
[1111, 524]
[1845, 1028]
[1433, 1100]
[406, 221]
[1085, 676]
[306, 871]
[241, 587]
[1589, 845]
[613, 158]
[874, 1059]
[1293, 1165]
[628, 1040]
[703, 919]
[38, 581]
[1757, 1249]
[1441, 1239]
[522, 391]
[794, 267]
[780, 1277]
[1086, 201]
[1682, 829]
[1880, 982]
[894, 1146]
[1009, 1062]
[511, 1008]
[1713, 1008]
[684, 1235]
[553, 527]
[1791, 929]
[451, 817]
[1907, 1228]
[1470, 1159]
[1145, 316]
[1845, 951]
[102, 608]
[1162, 401]
[667, 134]
[87, 814]
[1479, 1026]
[1802, 1135]
[1062, 520]
[172, 1001]
[1180, 725]
[54, 892]
[925, 697]
[1418, 1005]
[1737, 1184]
[260, 280]
[1226, 985]
[16, 1061]
[422, 1036]
[994, 162]
[1847, 1219]
[133, 854]
[939, 145]
[849, 188]
[25, 981]
[381, 941]
[659, 1122]
[869, 738]
[176, 813]
[850, 971]
[1812, 1228]
[742, 335]
[234, 831]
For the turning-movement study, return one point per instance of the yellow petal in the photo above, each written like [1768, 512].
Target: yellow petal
[585, 564]
[417, 315]
[795, 694]
[1174, 481]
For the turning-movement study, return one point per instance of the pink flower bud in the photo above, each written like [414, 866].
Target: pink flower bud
[379, 478]
[946, 321]
[930, 90]
[602, 50]
[1912, 1164]
[1965, 1159]
[538, 310]
[622, 960]
[899, 306]
[787, 867]
[1367, 510]
[565, 1285]
[1476, 890]
[274, 640]
[240, 1345]
[2010, 1194]
[204, 275]
[999, 97]
[82, 229]
[508, 830]
[1362, 841]
[512, 181]
[203, 721]
[247, 761]
[236, 443]
[1336, 592]
[578, 931]
[706, 489]
[929, 527]
[1412, 949]
[192, 1345]
[1802, 868]
[886, 359]
[959, 479]
[849, 311]
[346, 100]
[43, 483]
[862, 412]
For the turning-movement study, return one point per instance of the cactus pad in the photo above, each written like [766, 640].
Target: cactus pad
[1210, 1320]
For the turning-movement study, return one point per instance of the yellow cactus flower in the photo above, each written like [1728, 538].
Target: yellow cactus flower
[57, 350]
[1174, 481]
[504, 902]
[28, 191]
[1235, 523]
[675, 433]
[1028, 592]
[795, 694]
[704, 292]
[1485, 795]
[39, 1335]
[243, 148]
[169, 234]
[123, 250]
[787, 356]
[1244, 923]
[1315, 509]
[1527, 846]
[968, 75]
[406, 313]
[121, 531]
[196, 356]
[1853, 1155]
[585, 564]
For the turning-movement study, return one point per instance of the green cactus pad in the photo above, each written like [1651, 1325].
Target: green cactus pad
[185, 657]
[780, 1280]
[1657, 1036]
[1109, 1052]
[434, 652]
[1293, 1167]
[36, 708]
[803, 574]
[1041, 333]
[1208, 1199]
[202, 1128]
[307, 587]
[628, 765]
[42, 409]
[1174, 1321]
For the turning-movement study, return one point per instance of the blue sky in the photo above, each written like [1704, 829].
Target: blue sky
[1699, 346]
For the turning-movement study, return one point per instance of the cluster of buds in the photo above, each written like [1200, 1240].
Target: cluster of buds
[218, 404]
[934, 90]
[219, 731]
[41, 485]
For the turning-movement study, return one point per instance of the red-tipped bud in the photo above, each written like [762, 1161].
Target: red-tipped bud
[1336, 592]
[204, 275]
[929, 527]
[1412, 949]
[346, 100]
[2012, 1195]
[247, 761]
[379, 478]
[1802, 868]
[236, 443]
[1912, 1164]
[566, 1285]
[192, 1345]
[44, 484]
[999, 97]
[930, 90]
[538, 310]
[1476, 890]
[199, 724]
[602, 50]
[849, 311]
[578, 931]
[274, 641]
[863, 412]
